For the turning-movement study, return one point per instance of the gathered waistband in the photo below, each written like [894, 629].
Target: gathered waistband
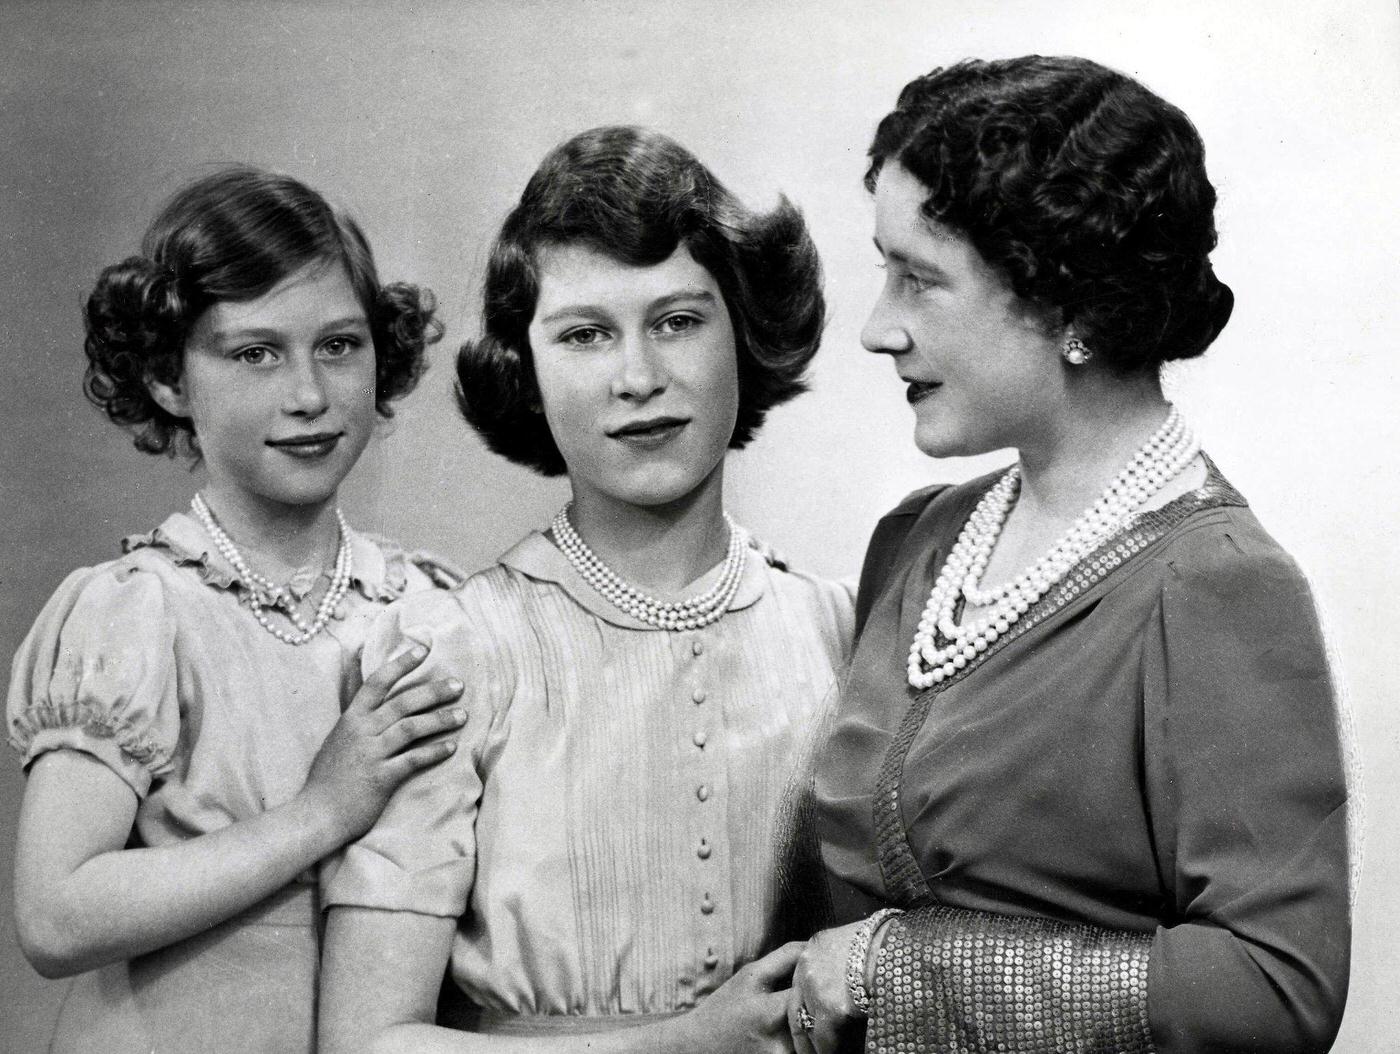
[493, 1023]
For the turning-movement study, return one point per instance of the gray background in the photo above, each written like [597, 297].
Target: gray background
[427, 117]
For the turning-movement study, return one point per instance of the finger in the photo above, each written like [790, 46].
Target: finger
[429, 754]
[801, 1041]
[419, 698]
[376, 687]
[411, 729]
[775, 968]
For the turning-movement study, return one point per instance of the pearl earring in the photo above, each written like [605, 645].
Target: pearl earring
[1074, 351]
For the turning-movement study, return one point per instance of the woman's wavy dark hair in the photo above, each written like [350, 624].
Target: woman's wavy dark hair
[1085, 190]
[636, 195]
[232, 236]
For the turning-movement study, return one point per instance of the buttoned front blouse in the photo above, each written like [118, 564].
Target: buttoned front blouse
[608, 830]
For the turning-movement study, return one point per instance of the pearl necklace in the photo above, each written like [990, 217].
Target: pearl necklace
[942, 647]
[692, 613]
[259, 585]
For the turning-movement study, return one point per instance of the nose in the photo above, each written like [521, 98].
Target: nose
[306, 389]
[640, 373]
[883, 332]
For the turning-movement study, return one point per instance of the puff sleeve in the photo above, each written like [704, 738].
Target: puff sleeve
[1248, 796]
[421, 854]
[97, 674]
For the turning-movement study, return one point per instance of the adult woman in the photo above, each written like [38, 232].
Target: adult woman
[1109, 793]
[603, 850]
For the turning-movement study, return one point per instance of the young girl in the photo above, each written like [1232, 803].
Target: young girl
[603, 851]
[179, 709]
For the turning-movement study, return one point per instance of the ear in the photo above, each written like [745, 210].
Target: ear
[170, 397]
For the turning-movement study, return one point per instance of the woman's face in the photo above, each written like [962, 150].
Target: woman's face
[637, 373]
[280, 389]
[981, 364]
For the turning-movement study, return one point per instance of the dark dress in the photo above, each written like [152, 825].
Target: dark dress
[1126, 826]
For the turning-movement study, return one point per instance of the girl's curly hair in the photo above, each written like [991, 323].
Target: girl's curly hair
[1085, 190]
[232, 236]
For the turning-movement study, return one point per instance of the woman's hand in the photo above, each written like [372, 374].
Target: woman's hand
[819, 986]
[748, 1014]
[375, 745]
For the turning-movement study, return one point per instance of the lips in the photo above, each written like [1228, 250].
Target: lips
[318, 444]
[920, 389]
[650, 431]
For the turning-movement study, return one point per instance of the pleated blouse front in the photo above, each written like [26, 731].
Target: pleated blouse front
[608, 830]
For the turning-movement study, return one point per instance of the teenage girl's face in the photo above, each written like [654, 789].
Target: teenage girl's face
[280, 390]
[982, 368]
[637, 373]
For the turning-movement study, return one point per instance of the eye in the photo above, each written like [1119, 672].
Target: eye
[340, 346]
[583, 337]
[678, 323]
[253, 354]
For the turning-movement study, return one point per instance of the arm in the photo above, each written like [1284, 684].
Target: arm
[1248, 799]
[381, 971]
[83, 900]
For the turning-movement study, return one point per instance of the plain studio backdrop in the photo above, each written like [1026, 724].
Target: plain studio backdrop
[427, 117]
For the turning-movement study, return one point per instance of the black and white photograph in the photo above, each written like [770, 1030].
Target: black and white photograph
[700, 528]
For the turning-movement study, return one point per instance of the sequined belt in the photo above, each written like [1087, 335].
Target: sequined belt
[493, 1023]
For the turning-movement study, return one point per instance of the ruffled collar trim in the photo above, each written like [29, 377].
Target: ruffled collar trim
[537, 557]
[380, 568]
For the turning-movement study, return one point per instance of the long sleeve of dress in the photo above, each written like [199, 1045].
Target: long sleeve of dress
[1248, 805]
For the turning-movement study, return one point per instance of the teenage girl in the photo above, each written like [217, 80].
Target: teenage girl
[602, 864]
[179, 709]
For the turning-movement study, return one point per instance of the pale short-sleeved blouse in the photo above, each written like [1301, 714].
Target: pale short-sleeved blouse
[153, 665]
[607, 832]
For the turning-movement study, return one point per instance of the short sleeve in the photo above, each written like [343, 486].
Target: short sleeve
[420, 856]
[1248, 797]
[97, 674]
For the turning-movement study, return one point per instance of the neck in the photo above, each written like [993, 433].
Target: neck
[1064, 470]
[656, 548]
[276, 538]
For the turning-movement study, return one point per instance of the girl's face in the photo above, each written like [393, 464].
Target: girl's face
[280, 390]
[637, 373]
[981, 364]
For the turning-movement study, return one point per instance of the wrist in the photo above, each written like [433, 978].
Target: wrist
[860, 960]
[318, 815]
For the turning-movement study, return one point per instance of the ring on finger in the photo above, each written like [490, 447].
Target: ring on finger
[805, 1021]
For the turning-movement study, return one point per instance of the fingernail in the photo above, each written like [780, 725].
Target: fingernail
[454, 685]
[451, 746]
[420, 652]
[458, 714]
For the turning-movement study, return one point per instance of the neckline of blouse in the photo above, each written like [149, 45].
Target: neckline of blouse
[380, 573]
[535, 556]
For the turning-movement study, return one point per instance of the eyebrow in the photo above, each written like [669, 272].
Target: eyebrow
[913, 261]
[264, 333]
[659, 304]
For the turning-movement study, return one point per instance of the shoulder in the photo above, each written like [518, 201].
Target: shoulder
[386, 571]
[910, 528]
[1226, 552]
[484, 617]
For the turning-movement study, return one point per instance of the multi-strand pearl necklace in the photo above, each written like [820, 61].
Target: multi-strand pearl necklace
[942, 647]
[693, 613]
[258, 585]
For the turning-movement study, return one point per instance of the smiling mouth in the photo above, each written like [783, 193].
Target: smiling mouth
[652, 432]
[309, 447]
[921, 389]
